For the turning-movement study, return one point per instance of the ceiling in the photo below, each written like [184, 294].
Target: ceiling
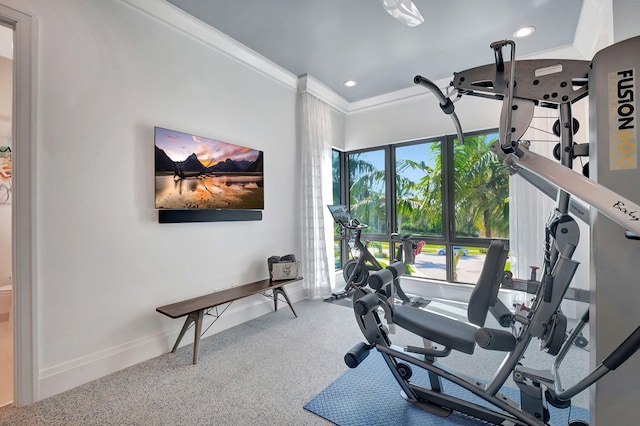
[339, 40]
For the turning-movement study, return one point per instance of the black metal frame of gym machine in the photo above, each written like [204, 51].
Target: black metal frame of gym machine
[547, 83]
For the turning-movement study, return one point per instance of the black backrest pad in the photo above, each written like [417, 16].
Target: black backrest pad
[485, 292]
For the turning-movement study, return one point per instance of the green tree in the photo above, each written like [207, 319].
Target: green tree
[367, 197]
[419, 204]
[481, 189]
[336, 167]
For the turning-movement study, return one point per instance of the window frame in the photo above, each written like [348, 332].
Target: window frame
[448, 239]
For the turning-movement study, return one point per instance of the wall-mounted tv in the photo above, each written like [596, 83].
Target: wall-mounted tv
[194, 172]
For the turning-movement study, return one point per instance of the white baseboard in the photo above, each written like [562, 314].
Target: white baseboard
[76, 372]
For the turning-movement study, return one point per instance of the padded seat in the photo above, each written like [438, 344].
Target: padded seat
[453, 334]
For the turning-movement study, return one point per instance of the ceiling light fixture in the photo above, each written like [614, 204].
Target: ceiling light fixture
[404, 11]
[524, 31]
[350, 83]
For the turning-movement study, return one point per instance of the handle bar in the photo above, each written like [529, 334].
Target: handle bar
[507, 144]
[624, 351]
[354, 224]
[445, 103]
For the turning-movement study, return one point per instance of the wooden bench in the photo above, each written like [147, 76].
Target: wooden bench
[196, 308]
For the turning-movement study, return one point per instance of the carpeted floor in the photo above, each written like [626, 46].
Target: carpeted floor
[261, 372]
[368, 396]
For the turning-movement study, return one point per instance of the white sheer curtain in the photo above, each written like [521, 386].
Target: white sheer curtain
[530, 209]
[315, 132]
[529, 212]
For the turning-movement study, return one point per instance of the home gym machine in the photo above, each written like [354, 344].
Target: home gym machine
[356, 270]
[520, 86]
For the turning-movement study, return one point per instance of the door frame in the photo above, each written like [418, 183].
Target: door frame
[25, 333]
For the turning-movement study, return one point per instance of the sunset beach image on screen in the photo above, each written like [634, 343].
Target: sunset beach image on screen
[194, 172]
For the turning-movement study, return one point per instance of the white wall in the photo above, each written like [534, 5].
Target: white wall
[108, 73]
[338, 123]
[416, 117]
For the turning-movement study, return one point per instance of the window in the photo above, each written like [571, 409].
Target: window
[367, 189]
[481, 184]
[454, 197]
[419, 188]
[336, 170]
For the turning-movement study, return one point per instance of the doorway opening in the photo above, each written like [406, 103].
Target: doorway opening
[6, 189]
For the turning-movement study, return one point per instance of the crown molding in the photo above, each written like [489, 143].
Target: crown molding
[387, 98]
[175, 18]
[307, 83]
[162, 11]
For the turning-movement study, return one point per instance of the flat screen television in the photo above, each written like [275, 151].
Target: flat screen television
[194, 172]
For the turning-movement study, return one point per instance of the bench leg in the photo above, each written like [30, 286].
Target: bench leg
[275, 299]
[185, 327]
[196, 318]
[196, 340]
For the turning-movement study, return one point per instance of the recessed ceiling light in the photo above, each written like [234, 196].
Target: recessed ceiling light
[350, 83]
[524, 32]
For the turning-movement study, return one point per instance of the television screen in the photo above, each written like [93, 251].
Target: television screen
[193, 172]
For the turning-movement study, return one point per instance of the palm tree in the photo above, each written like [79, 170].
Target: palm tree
[407, 202]
[420, 203]
[367, 196]
[481, 189]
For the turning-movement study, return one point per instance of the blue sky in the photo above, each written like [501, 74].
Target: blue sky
[416, 153]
